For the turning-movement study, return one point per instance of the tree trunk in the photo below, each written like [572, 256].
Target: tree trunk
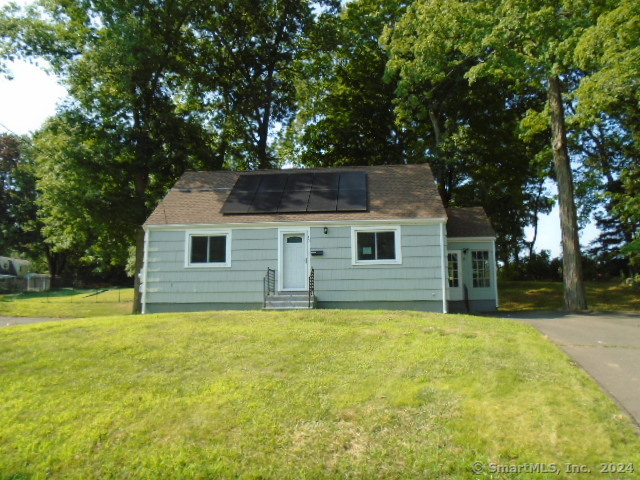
[264, 161]
[139, 265]
[264, 121]
[574, 296]
[141, 185]
[440, 166]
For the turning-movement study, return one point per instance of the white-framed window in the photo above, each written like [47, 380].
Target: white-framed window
[480, 268]
[454, 270]
[208, 249]
[375, 245]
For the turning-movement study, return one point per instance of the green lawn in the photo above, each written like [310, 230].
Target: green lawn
[311, 395]
[601, 296]
[68, 303]
[513, 296]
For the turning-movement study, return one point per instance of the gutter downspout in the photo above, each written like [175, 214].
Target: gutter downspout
[143, 280]
[443, 269]
[495, 274]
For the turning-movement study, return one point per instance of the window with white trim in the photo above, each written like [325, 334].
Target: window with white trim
[208, 249]
[480, 267]
[379, 245]
[454, 270]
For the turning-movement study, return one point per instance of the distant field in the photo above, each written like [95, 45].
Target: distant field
[300, 395]
[548, 296]
[68, 303]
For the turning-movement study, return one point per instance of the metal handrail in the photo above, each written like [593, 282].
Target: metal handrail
[311, 286]
[268, 285]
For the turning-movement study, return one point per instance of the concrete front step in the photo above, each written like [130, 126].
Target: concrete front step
[294, 301]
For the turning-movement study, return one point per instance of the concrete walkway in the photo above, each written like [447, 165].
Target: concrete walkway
[606, 345]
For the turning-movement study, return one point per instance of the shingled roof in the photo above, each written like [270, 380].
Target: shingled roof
[394, 192]
[468, 222]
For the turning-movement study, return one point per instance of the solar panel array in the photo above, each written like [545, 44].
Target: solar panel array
[297, 193]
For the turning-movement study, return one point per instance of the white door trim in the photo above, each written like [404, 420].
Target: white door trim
[306, 232]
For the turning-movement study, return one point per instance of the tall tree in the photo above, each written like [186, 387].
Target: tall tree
[83, 201]
[120, 62]
[9, 159]
[20, 224]
[241, 58]
[609, 99]
[469, 133]
[345, 104]
[527, 45]
[159, 86]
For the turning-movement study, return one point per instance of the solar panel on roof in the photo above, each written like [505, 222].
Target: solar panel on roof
[326, 181]
[299, 181]
[298, 192]
[247, 183]
[241, 197]
[352, 201]
[353, 181]
[237, 202]
[323, 200]
[273, 183]
[265, 202]
[294, 201]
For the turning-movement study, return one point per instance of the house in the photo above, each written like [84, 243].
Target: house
[13, 272]
[353, 237]
[14, 267]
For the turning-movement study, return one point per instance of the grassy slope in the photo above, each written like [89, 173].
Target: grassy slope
[601, 296]
[68, 303]
[323, 394]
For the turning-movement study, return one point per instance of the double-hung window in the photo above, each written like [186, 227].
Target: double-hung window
[480, 267]
[376, 245]
[210, 249]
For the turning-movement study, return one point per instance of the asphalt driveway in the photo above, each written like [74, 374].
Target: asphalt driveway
[606, 345]
[10, 321]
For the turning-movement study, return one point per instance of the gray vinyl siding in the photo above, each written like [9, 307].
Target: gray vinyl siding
[169, 281]
[416, 281]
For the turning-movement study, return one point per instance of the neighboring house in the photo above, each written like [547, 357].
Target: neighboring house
[14, 273]
[361, 237]
[14, 267]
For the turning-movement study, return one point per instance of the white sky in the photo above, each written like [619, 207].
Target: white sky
[549, 236]
[31, 97]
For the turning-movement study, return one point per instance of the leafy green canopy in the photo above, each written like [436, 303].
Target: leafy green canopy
[521, 44]
[345, 106]
[610, 98]
[471, 133]
[155, 88]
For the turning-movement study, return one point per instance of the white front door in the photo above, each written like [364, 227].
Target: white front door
[454, 275]
[294, 261]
